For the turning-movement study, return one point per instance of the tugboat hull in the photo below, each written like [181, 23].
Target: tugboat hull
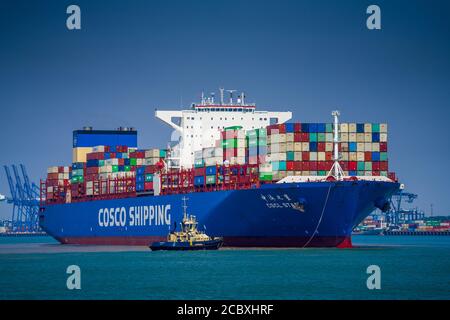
[187, 246]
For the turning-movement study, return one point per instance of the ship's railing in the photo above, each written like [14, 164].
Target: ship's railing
[229, 177]
[86, 191]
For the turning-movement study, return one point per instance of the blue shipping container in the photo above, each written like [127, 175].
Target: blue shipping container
[211, 170]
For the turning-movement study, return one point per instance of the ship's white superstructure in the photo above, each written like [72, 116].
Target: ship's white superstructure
[200, 126]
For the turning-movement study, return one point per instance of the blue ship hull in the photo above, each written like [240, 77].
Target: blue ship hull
[268, 216]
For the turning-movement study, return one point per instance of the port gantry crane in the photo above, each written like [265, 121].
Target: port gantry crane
[25, 200]
[397, 214]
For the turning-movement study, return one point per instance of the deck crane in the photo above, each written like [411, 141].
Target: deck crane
[397, 214]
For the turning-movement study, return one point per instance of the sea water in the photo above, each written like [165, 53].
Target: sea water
[410, 268]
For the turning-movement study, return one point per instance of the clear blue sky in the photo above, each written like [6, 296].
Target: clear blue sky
[308, 57]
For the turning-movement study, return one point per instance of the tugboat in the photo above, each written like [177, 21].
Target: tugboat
[189, 238]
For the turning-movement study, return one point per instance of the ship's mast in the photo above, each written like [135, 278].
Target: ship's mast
[336, 170]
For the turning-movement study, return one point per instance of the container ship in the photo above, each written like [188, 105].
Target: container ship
[250, 177]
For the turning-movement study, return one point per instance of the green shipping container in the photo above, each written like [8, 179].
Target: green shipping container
[375, 127]
[199, 163]
[383, 156]
[329, 127]
[127, 168]
[265, 176]
[233, 128]
[77, 179]
[210, 179]
[360, 173]
[115, 168]
[101, 163]
[229, 143]
[133, 161]
[361, 166]
[322, 173]
[290, 156]
[313, 137]
[77, 172]
[368, 166]
[162, 153]
[321, 137]
[149, 177]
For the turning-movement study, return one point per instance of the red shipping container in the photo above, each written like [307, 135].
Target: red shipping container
[367, 156]
[321, 146]
[91, 170]
[376, 166]
[329, 156]
[150, 169]
[148, 186]
[51, 176]
[112, 155]
[282, 128]
[375, 173]
[383, 146]
[321, 165]
[383, 166]
[91, 177]
[304, 137]
[297, 137]
[199, 171]
[297, 127]
[313, 165]
[297, 165]
[290, 166]
[121, 162]
[344, 165]
[391, 175]
[305, 165]
[228, 153]
[305, 155]
[352, 166]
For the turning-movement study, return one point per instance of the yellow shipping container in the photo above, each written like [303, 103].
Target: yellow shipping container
[289, 137]
[344, 137]
[360, 147]
[297, 146]
[329, 146]
[79, 154]
[367, 137]
[352, 156]
[367, 127]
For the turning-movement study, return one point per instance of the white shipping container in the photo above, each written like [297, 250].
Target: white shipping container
[289, 137]
[352, 156]
[343, 127]
[52, 170]
[289, 146]
[98, 149]
[297, 156]
[297, 146]
[360, 137]
[150, 161]
[344, 137]
[352, 127]
[320, 156]
[352, 137]
[313, 156]
[383, 137]
[376, 146]
[368, 146]
[383, 127]
[344, 156]
[360, 156]
[367, 127]
[305, 146]
[360, 147]
[329, 137]
[152, 153]
[241, 152]
[329, 146]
